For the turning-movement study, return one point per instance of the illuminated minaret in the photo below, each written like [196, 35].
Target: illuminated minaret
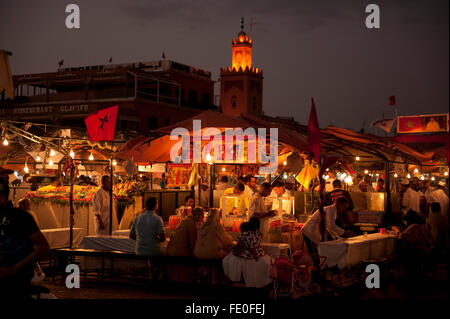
[241, 84]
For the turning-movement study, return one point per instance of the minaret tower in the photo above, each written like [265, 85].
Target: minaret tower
[241, 84]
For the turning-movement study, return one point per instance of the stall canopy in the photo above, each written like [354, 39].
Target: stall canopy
[150, 149]
[345, 143]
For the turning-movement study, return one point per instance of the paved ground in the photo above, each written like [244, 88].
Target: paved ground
[433, 286]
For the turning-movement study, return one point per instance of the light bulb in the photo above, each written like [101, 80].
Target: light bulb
[284, 163]
[114, 163]
[38, 158]
[445, 173]
[366, 172]
[422, 177]
[409, 175]
[208, 157]
[395, 175]
[5, 142]
[357, 158]
[284, 176]
[223, 169]
[25, 169]
[416, 171]
[50, 162]
[378, 174]
[432, 178]
[91, 157]
[52, 153]
[72, 154]
[15, 173]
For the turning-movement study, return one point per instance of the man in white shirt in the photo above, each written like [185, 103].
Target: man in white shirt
[101, 206]
[278, 194]
[250, 183]
[188, 203]
[258, 209]
[439, 196]
[311, 228]
[223, 183]
[411, 197]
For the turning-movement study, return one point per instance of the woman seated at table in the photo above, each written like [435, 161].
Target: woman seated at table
[414, 243]
[248, 259]
[213, 242]
[182, 244]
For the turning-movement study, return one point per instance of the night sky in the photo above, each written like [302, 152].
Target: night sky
[305, 48]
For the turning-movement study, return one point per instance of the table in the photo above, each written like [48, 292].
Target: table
[126, 244]
[60, 237]
[273, 249]
[348, 252]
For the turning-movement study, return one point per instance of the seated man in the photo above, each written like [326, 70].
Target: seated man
[21, 245]
[148, 230]
[182, 244]
[188, 203]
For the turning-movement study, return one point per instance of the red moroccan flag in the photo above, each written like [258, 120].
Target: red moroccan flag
[392, 100]
[314, 136]
[410, 124]
[101, 124]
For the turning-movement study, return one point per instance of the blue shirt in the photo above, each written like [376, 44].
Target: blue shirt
[146, 227]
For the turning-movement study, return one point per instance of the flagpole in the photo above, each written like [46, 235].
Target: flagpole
[111, 194]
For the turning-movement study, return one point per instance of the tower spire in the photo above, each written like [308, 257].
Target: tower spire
[242, 23]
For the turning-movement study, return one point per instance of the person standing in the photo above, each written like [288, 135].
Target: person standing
[250, 181]
[356, 182]
[330, 198]
[380, 185]
[258, 209]
[439, 196]
[411, 197]
[21, 245]
[311, 230]
[101, 206]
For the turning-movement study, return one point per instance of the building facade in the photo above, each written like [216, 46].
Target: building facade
[149, 94]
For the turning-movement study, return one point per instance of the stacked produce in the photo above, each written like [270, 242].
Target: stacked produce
[82, 195]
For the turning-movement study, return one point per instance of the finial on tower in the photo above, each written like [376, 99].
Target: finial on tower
[242, 23]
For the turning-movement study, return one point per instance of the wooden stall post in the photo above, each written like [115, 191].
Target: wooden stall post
[387, 182]
[211, 184]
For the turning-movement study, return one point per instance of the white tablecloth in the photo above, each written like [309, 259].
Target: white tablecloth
[350, 251]
[126, 244]
[60, 237]
[51, 215]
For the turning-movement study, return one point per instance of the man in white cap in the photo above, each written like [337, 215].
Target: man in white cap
[439, 196]
[411, 197]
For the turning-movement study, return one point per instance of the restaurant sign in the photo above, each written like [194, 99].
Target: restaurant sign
[45, 109]
[430, 123]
